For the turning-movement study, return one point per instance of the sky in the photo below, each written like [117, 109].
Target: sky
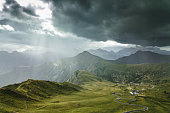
[72, 26]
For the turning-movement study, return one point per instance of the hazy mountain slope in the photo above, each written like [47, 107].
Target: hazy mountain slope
[126, 52]
[144, 57]
[64, 68]
[61, 70]
[109, 55]
[9, 61]
[14, 60]
[23, 73]
[132, 50]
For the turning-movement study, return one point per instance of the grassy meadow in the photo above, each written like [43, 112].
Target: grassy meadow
[93, 96]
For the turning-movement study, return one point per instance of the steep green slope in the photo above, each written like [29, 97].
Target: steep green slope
[95, 96]
[38, 89]
[31, 91]
[81, 77]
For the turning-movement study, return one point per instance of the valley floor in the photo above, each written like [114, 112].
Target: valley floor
[97, 97]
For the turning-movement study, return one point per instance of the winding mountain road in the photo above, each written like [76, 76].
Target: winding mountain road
[131, 99]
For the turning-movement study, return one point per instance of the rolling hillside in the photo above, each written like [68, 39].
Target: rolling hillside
[94, 95]
[19, 96]
[39, 89]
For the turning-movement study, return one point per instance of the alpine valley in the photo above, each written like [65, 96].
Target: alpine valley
[84, 56]
[89, 84]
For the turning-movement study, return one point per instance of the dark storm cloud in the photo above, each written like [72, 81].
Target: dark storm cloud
[12, 7]
[143, 22]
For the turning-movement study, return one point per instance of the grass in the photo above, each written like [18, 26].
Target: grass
[82, 77]
[156, 99]
[22, 96]
[94, 96]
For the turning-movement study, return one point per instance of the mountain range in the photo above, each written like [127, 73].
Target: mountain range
[62, 69]
[111, 55]
[14, 60]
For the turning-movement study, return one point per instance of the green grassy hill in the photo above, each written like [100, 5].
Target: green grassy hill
[39, 89]
[81, 77]
[31, 91]
[94, 96]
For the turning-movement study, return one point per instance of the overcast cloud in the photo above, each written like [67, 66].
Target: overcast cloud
[76, 25]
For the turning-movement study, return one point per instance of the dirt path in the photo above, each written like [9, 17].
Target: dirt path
[131, 99]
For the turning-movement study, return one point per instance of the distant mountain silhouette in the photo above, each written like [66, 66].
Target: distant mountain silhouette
[111, 55]
[144, 57]
[13, 60]
[9, 61]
